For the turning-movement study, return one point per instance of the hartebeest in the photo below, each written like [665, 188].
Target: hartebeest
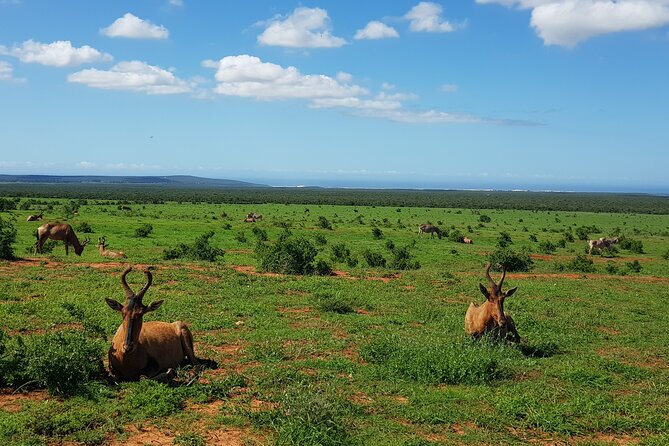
[148, 349]
[490, 318]
[427, 228]
[601, 243]
[59, 231]
[253, 216]
[467, 241]
[34, 217]
[102, 246]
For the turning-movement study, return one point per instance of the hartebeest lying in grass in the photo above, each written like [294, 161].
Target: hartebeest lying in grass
[148, 349]
[34, 217]
[601, 243]
[102, 246]
[490, 318]
[59, 231]
[427, 228]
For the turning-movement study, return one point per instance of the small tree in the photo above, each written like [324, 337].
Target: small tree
[377, 233]
[144, 230]
[323, 223]
[484, 219]
[7, 238]
[289, 255]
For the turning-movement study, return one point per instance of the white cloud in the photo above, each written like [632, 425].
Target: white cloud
[304, 28]
[344, 77]
[426, 17]
[133, 27]
[248, 76]
[387, 86]
[376, 30]
[449, 88]
[133, 76]
[176, 2]
[56, 54]
[86, 165]
[569, 22]
[132, 166]
[7, 73]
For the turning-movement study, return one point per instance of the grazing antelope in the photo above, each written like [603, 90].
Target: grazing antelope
[467, 241]
[490, 317]
[34, 217]
[148, 349]
[102, 246]
[429, 229]
[253, 216]
[59, 231]
[601, 243]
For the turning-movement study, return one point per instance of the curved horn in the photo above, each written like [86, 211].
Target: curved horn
[501, 281]
[487, 273]
[128, 292]
[86, 241]
[149, 280]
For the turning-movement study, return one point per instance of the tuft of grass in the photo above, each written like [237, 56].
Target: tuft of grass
[334, 304]
[152, 399]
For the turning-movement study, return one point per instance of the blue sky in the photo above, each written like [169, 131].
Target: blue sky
[512, 94]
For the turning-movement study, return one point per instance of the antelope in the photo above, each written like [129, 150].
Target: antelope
[249, 220]
[490, 317]
[59, 231]
[253, 216]
[104, 252]
[601, 243]
[467, 241]
[148, 349]
[429, 229]
[34, 217]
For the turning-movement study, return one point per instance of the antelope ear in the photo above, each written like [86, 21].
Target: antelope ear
[153, 306]
[484, 290]
[511, 291]
[116, 306]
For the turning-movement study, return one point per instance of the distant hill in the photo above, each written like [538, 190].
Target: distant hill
[169, 180]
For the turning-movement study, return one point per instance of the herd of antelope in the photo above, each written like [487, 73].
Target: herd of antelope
[153, 349]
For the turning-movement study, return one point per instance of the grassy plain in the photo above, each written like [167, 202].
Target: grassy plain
[371, 356]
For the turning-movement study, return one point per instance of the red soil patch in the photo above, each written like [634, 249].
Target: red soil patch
[607, 330]
[343, 274]
[13, 402]
[408, 287]
[238, 251]
[290, 310]
[362, 311]
[151, 435]
[251, 271]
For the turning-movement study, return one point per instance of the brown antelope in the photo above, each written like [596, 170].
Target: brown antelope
[249, 220]
[59, 231]
[467, 241]
[601, 243]
[253, 216]
[34, 217]
[428, 229]
[489, 318]
[148, 349]
[102, 246]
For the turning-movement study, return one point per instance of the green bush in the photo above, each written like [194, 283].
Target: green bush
[84, 227]
[199, 250]
[629, 244]
[260, 234]
[320, 240]
[374, 259]
[340, 252]
[322, 268]
[144, 230]
[7, 238]
[323, 223]
[289, 255]
[62, 361]
[402, 259]
[240, 237]
[504, 239]
[456, 236]
[634, 266]
[547, 247]
[581, 263]
[484, 219]
[377, 233]
[665, 255]
[152, 399]
[512, 260]
[327, 302]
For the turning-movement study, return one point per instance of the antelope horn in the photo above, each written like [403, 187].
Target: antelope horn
[149, 280]
[502, 279]
[487, 273]
[86, 241]
[128, 292]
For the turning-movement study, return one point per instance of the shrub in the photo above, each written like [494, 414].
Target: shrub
[7, 238]
[322, 268]
[390, 245]
[260, 234]
[665, 255]
[323, 223]
[583, 232]
[631, 245]
[455, 236]
[377, 233]
[374, 259]
[150, 398]
[504, 239]
[402, 259]
[634, 266]
[84, 227]
[62, 361]
[8, 204]
[547, 247]
[581, 263]
[533, 238]
[289, 255]
[568, 237]
[241, 237]
[484, 219]
[512, 260]
[612, 268]
[320, 239]
[332, 304]
[144, 230]
[340, 252]
[199, 250]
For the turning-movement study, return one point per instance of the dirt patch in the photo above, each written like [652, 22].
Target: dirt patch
[607, 330]
[343, 274]
[362, 311]
[238, 251]
[292, 310]
[408, 287]
[251, 271]
[13, 402]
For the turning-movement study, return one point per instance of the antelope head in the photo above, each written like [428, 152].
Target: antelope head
[133, 311]
[496, 296]
[101, 242]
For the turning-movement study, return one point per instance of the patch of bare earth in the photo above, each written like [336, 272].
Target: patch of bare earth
[13, 402]
[251, 271]
[634, 357]
[154, 436]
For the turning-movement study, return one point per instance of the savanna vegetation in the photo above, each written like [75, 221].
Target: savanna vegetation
[330, 322]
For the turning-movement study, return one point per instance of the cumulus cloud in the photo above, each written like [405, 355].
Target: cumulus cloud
[376, 30]
[449, 88]
[133, 76]
[426, 17]
[569, 22]
[86, 164]
[56, 54]
[304, 28]
[133, 27]
[7, 73]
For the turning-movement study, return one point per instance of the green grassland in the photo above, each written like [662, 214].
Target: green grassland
[367, 355]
